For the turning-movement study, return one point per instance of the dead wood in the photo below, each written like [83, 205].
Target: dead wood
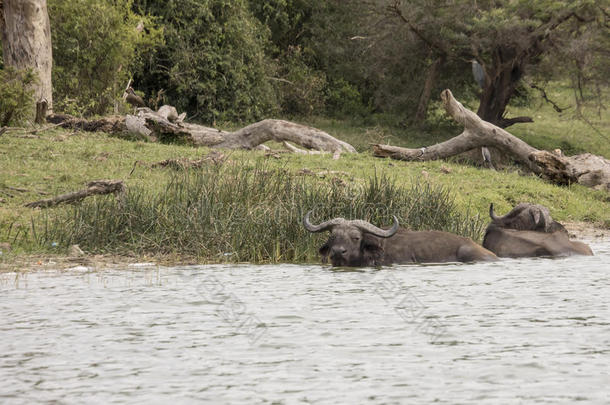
[41, 111]
[323, 174]
[27, 131]
[24, 190]
[27, 136]
[112, 124]
[180, 163]
[587, 169]
[275, 154]
[37, 130]
[166, 124]
[300, 151]
[96, 187]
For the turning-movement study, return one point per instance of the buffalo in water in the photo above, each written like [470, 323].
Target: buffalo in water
[529, 231]
[357, 243]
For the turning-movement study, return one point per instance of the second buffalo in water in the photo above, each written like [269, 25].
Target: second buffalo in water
[529, 231]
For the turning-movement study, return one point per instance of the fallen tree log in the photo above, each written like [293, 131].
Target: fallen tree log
[587, 169]
[112, 124]
[96, 187]
[163, 125]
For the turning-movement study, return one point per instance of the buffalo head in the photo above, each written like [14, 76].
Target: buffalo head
[351, 242]
[529, 231]
[526, 217]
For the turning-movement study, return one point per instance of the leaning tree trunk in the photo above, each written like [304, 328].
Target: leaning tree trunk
[424, 99]
[26, 41]
[587, 169]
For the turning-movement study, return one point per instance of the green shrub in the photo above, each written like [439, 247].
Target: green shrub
[97, 44]
[213, 64]
[16, 96]
[301, 88]
[344, 100]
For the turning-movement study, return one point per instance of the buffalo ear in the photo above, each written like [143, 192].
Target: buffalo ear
[539, 222]
[557, 227]
[371, 248]
[324, 250]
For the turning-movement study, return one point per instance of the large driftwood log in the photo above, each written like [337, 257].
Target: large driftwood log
[116, 187]
[587, 169]
[167, 124]
[248, 137]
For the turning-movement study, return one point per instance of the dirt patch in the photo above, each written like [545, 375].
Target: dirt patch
[25, 263]
[586, 231]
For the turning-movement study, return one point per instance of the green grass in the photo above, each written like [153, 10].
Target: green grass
[378, 130]
[551, 130]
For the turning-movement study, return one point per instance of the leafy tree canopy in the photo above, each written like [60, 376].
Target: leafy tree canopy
[242, 60]
[96, 48]
[213, 63]
[505, 37]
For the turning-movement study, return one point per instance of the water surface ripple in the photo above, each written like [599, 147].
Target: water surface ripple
[516, 331]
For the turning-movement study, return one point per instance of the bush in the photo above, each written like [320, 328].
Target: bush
[301, 88]
[96, 47]
[16, 96]
[239, 213]
[213, 64]
[344, 100]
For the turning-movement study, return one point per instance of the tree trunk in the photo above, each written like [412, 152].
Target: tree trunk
[41, 111]
[424, 99]
[26, 40]
[589, 170]
[502, 79]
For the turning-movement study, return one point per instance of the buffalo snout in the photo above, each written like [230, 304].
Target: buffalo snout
[338, 253]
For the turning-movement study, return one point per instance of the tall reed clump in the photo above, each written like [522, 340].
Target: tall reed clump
[238, 212]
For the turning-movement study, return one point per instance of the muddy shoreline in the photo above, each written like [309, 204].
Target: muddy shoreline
[585, 231]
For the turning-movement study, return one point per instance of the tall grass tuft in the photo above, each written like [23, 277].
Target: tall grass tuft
[237, 213]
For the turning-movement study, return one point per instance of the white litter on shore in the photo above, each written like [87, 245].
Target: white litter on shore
[79, 268]
[142, 264]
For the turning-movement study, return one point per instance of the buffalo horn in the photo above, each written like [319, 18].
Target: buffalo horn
[362, 225]
[323, 226]
[372, 229]
[493, 216]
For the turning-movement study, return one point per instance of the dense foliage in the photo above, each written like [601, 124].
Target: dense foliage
[213, 64]
[242, 60]
[97, 45]
[434, 43]
[16, 102]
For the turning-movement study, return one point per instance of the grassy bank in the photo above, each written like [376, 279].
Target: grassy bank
[249, 208]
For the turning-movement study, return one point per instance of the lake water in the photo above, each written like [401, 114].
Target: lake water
[517, 331]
